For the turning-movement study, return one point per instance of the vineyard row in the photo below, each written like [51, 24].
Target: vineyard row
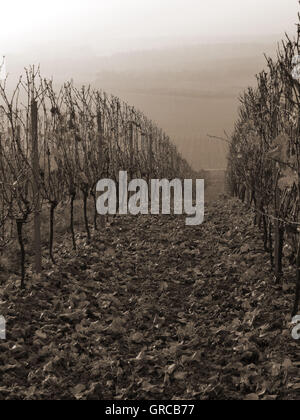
[56, 146]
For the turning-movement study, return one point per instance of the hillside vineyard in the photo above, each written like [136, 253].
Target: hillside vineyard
[57, 146]
[264, 157]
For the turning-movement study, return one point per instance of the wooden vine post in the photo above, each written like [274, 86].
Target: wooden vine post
[278, 236]
[100, 161]
[150, 155]
[131, 149]
[35, 183]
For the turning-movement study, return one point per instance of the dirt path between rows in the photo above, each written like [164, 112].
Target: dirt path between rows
[153, 309]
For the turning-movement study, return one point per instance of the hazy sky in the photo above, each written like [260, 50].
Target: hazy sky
[111, 25]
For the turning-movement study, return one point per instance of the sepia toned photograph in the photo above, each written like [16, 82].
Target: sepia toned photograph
[150, 203]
